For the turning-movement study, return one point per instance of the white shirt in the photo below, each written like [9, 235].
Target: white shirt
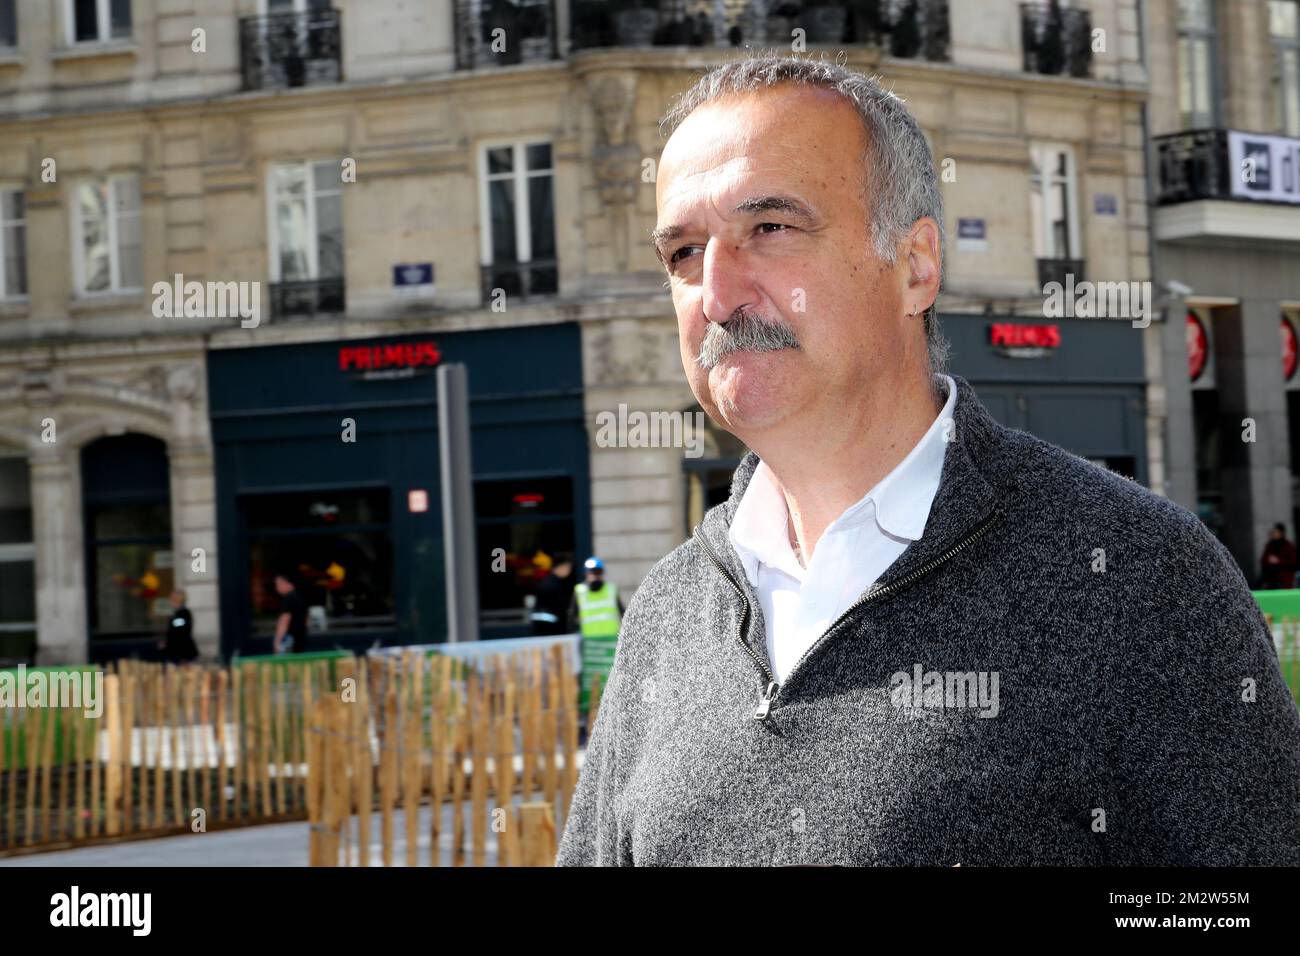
[800, 604]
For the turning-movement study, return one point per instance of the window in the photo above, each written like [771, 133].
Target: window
[1053, 204]
[8, 23]
[1284, 29]
[336, 546]
[17, 561]
[108, 240]
[98, 21]
[1196, 44]
[531, 521]
[517, 207]
[306, 222]
[13, 244]
[128, 536]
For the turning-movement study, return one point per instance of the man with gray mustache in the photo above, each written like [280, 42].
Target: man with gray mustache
[884, 523]
[744, 332]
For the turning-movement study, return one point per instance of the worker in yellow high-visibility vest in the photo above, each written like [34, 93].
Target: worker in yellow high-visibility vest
[599, 612]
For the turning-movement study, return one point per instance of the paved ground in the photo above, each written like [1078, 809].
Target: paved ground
[277, 844]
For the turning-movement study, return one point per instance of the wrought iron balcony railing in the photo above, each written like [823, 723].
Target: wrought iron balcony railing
[504, 32]
[1055, 270]
[1056, 40]
[919, 28]
[290, 49]
[307, 298]
[1192, 165]
[520, 279]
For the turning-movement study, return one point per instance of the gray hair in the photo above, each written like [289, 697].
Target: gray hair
[896, 161]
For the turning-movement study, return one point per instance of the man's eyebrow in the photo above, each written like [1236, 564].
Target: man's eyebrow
[747, 207]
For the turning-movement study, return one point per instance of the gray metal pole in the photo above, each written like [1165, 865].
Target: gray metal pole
[457, 503]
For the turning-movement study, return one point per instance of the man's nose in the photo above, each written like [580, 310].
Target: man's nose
[728, 285]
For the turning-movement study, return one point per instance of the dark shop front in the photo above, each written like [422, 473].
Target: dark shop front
[327, 467]
[1077, 383]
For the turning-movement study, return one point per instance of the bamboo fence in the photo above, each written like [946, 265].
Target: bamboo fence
[176, 749]
[490, 751]
[188, 749]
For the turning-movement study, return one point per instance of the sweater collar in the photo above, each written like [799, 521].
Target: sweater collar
[976, 467]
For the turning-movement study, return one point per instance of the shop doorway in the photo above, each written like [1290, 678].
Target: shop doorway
[126, 509]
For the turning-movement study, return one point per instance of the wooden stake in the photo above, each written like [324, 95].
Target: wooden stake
[11, 741]
[113, 782]
[315, 774]
[388, 762]
[67, 815]
[459, 738]
[222, 768]
[47, 761]
[204, 754]
[412, 784]
[127, 687]
[479, 749]
[568, 732]
[79, 755]
[363, 768]
[174, 742]
[440, 674]
[537, 823]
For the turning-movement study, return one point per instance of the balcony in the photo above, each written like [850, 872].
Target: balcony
[290, 49]
[307, 298]
[504, 32]
[1056, 270]
[1216, 184]
[1193, 166]
[918, 29]
[1056, 41]
[520, 280]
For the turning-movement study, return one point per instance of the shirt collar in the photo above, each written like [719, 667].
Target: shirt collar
[900, 502]
[759, 530]
[904, 496]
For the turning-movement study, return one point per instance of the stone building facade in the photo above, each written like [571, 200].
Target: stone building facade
[235, 162]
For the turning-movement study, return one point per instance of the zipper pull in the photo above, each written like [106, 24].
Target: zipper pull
[765, 704]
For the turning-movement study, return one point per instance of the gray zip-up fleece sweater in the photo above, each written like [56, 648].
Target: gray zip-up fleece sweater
[1065, 669]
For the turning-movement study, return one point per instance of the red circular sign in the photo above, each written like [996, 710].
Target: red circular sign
[1197, 346]
[1288, 350]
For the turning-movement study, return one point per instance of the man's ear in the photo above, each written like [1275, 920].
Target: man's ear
[923, 264]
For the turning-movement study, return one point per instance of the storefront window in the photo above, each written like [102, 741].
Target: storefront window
[17, 562]
[131, 546]
[522, 525]
[125, 490]
[337, 548]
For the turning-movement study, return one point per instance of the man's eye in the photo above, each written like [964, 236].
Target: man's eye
[761, 226]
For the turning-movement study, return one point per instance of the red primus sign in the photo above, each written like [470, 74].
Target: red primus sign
[369, 358]
[1024, 336]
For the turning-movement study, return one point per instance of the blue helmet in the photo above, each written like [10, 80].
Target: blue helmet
[593, 563]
